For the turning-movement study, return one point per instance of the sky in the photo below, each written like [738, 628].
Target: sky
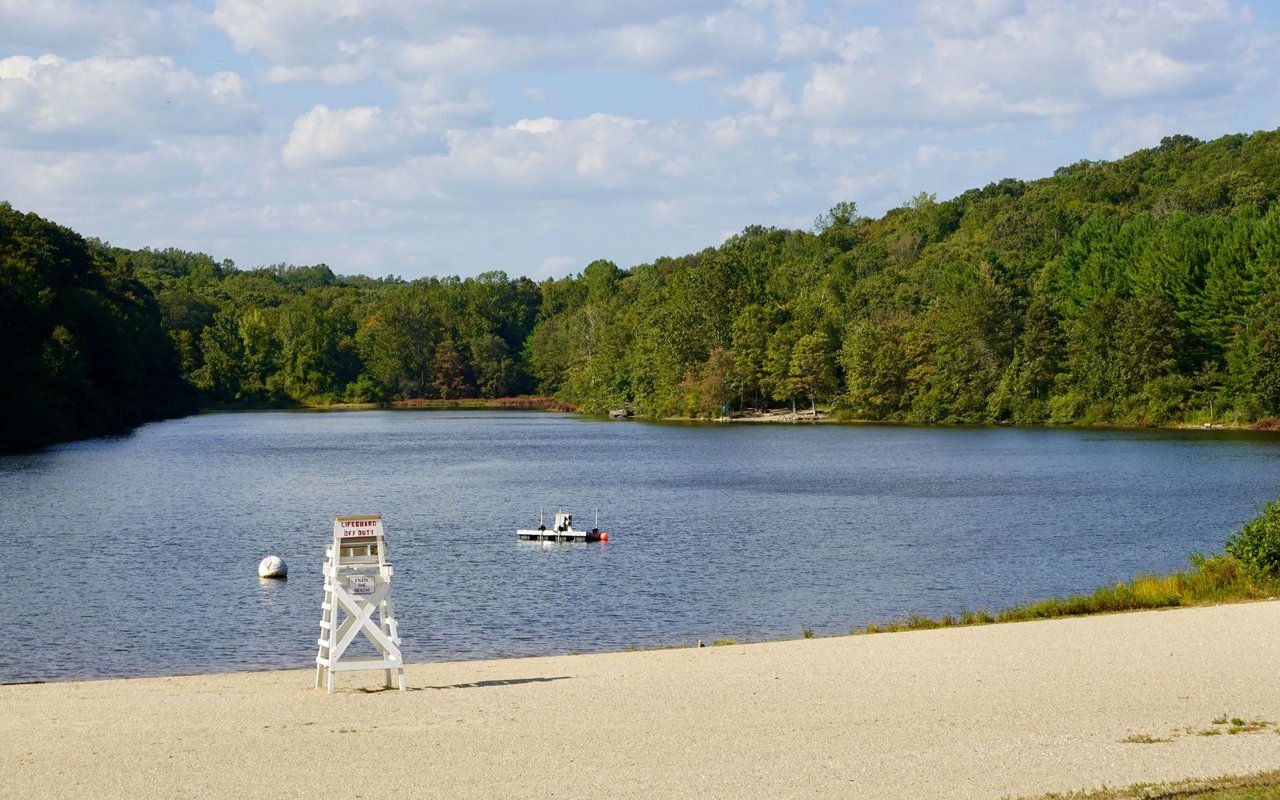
[454, 137]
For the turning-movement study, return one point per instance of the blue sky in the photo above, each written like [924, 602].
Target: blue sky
[437, 137]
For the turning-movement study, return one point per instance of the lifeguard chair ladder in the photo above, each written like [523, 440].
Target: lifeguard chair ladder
[357, 584]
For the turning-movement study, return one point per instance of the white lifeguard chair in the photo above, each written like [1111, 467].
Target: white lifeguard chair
[357, 584]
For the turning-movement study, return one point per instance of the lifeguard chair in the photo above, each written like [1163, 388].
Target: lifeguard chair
[357, 584]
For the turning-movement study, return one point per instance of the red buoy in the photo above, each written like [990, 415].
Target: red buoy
[604, 537]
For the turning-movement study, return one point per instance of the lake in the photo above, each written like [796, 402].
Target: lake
[137, 555]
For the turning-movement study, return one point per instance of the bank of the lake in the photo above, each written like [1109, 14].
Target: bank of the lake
[988, 712]
[824, 415]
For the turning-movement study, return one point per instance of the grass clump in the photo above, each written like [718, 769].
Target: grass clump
[1247, 726]
[1245, 787]
[723, 642]
[1211, 579]
[921, 622]
[1237, 725]
[1144, 738]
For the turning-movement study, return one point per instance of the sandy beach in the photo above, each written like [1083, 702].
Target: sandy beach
[985, 712]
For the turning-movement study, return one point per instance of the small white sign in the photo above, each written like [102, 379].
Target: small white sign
[361, 584]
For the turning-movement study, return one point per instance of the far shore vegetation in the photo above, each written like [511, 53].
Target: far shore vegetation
[1143, 291]
[525, 403]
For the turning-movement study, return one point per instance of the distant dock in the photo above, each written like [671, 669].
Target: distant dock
[561, 536]
[563, 531]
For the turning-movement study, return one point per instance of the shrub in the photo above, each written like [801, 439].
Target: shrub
[1257, 544]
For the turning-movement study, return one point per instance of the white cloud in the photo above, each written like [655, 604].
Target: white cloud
[975, 61]
[52, 103]
[724, 132]
[554, 267]
[336, 138]
[542, 125]
[1130, 132]
[101, 180]
[860, 45]
[363, 135]
[102, 27]
[1142, 73]
[316, 40]
[414, 136]
[467, 51]
[968, 17]
[316, 31]
[596, 153]
[765, 92]
[827, 93]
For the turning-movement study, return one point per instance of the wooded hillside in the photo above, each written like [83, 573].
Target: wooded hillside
[83, 350]
[1139, 291]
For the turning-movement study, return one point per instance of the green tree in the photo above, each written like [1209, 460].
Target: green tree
[877, 366]
[778, 356]
[970, 341]
[751, 348]
[1254, 360]
[396, 342]
[494, 369]
[81, 336]
[812, 371]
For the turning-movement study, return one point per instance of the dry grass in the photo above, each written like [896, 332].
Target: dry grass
[1146, 738]
[505, 403]
[1260, 786]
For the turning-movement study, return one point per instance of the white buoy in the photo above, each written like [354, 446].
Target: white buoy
[273, 567]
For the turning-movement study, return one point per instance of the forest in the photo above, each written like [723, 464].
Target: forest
[1140, 291]
[81, 341]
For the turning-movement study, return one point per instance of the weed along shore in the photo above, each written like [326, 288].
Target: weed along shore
[979, 712]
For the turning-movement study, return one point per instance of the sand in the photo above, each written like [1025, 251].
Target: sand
[980, 712]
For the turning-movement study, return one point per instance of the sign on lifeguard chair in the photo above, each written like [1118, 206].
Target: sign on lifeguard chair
[357, 584]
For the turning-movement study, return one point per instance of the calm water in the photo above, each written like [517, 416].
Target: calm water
[138, 555]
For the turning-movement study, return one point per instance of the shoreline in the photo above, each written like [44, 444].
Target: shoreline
[983, 712]
[768, 416]
[894, 626]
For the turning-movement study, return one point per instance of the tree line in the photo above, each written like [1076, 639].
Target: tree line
[1137, 291]
[81, 340]
[1140, 291]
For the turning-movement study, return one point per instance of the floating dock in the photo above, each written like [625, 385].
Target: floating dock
[548, 535]
[562, 531]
